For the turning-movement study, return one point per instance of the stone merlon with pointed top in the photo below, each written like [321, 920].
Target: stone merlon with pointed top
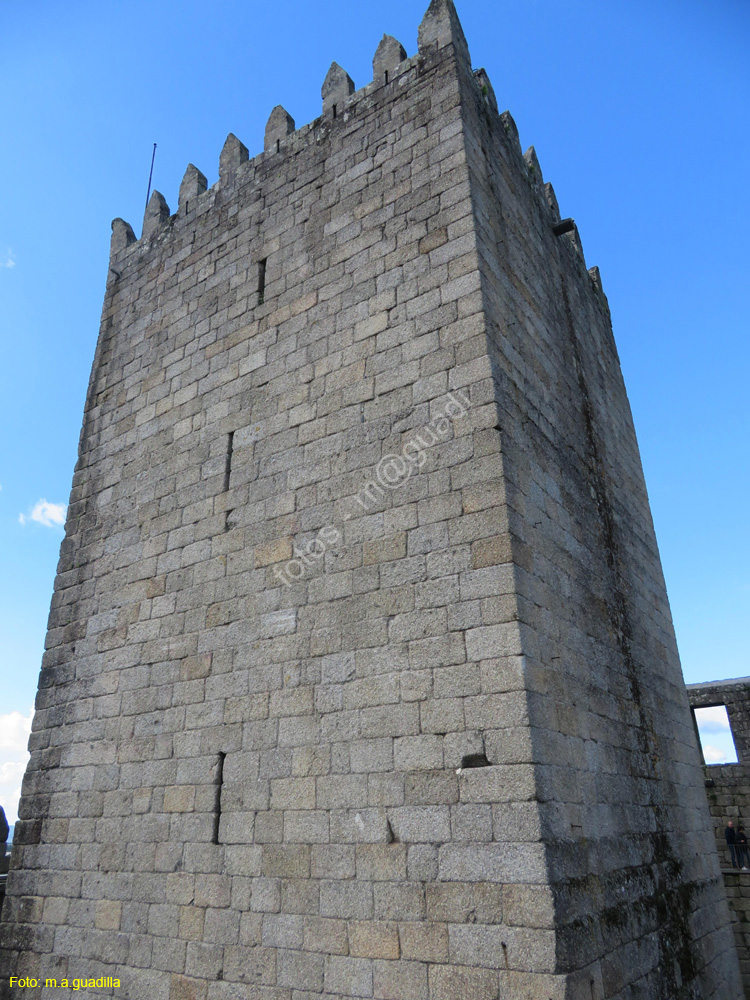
[534, 167]
[440, 27]
[486, 88]
[193, 185]
[337, 87]
[549, 193]
[280, 124]
[388, 55]
[156, 214]
[233, 155]
[511, 129]
[122, 236]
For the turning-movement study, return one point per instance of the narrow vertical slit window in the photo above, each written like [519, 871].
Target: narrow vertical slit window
[278, 145]
[217, 800]
[386, 76]
[715, 735]
[228, 465]
[334, 110]
[262, 281]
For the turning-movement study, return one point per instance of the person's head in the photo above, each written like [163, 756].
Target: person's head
[730, 822]
[741, 829]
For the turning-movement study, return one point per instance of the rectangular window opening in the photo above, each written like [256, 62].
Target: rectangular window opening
[217, 802]
[386, 76]
[334, 110]
[715, 735]
[262, 281]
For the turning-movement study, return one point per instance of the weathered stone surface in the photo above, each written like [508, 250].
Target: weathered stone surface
[280, 124]
[156, 214]
[337, 86]
[388, 55]
[233, 154]
[193, 185]
[440, 27]
[122, 236]
[486, 89]
[534, 167]
[360, 677]
[549, 192]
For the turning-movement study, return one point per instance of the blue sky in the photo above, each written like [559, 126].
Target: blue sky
[639, 115]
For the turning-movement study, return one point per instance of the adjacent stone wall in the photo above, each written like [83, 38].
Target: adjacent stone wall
[737, 887]
[360, 678]
[728, 789]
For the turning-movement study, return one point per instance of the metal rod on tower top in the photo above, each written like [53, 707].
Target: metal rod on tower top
[151, 174]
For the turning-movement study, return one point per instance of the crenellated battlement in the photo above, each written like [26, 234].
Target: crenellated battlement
[282, 138]
[393, 71]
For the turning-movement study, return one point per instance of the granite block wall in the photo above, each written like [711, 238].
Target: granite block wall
[622, 803]
[360, 678]
[728, 791]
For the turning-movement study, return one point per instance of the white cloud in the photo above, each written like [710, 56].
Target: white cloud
[712, 755]
[713, 719]
[14, 735]
[51, 515]
[8, 259]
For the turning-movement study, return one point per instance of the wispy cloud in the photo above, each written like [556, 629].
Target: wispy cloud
[713, 719]
[712, 755]
[7, 259]
[14, 736]
[51, 515]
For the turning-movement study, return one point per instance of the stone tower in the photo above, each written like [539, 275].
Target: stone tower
[360, 677]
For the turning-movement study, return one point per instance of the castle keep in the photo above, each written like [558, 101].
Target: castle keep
[360, 677]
